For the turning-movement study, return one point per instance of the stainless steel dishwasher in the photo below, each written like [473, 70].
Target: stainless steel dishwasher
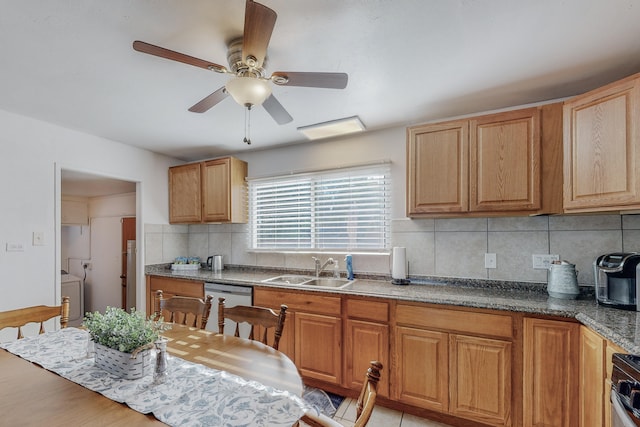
[233, 295]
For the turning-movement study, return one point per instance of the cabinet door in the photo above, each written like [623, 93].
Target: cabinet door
[173, 287]
[480, 384]
[601, 140]
[421, 369]
[550, 377]
[592, 353]
[215, 190]
[609, 350]
[437, 168]
[224, 191]
[318, 342]
[504, 161]
[364, 342]
[185, 205]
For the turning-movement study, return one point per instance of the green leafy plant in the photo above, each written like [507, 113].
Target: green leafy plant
[121, 330]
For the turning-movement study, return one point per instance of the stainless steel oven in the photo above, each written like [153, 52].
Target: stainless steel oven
[625, 392]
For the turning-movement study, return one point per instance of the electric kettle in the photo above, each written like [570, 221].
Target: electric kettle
[563, 280]
[214, 263]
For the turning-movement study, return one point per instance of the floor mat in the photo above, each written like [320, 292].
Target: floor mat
[325, 402]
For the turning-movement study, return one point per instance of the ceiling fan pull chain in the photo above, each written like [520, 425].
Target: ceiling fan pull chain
[247, 125]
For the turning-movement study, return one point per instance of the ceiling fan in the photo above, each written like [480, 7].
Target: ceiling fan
[246, 56]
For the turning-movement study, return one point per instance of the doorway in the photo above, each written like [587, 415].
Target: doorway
[128, 259]
[97, 247]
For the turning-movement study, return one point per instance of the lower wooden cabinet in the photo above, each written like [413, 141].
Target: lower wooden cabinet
[318, 347]
[422, 368]
[366, 338]
[480, 379]
[172, 287]
[595, 378]
[445, 364]
[592, 372]
[482, 366]
[550, 384]
[608, 355]
[312, 335]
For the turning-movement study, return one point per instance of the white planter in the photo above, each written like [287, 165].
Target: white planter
[121, 364]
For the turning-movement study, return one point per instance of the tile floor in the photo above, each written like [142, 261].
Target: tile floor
[381, 417]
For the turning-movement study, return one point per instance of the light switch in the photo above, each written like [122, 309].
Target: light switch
[15, 247]
[38, 238]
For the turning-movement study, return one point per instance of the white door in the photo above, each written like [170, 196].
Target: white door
[105, 285]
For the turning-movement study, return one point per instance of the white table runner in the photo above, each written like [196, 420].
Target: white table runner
[192, 394]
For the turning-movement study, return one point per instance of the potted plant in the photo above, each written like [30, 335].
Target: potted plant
[123, 340]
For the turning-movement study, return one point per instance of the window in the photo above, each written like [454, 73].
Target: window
[338, 210]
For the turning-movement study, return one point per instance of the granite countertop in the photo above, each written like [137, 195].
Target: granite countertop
[622, 327]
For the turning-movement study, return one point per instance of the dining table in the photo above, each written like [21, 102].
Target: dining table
[33, 395]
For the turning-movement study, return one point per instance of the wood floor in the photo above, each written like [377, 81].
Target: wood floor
[381, 417]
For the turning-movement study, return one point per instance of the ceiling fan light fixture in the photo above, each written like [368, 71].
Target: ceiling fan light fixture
[333, 128]
[248, 90]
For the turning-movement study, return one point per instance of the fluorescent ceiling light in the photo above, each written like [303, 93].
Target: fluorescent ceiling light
[333, 128]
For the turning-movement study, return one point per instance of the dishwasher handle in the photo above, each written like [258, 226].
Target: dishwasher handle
[223, 288]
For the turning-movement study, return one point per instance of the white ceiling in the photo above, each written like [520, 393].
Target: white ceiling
[70, 62]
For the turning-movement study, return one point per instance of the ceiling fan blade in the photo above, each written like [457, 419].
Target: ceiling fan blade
[259, 21]
[276, 110]
[324, 80]
[209, 101]
[176, 56]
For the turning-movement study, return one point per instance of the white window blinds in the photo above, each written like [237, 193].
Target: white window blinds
[338, 210]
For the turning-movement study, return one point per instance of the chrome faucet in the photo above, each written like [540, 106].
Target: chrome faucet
[320, 267]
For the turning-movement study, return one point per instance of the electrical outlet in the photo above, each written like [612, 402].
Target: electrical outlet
[38, 238]
[543, 261]
[490, 261]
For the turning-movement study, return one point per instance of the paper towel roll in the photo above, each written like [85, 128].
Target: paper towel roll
[399, 266]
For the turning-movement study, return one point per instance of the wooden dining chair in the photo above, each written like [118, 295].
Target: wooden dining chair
[266, 318]
[364, 407]
[39, 313]
[188, 311]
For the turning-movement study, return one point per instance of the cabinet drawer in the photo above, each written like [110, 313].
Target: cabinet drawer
[299, 301]
[369, 310]
[182, 287]
[453, 320]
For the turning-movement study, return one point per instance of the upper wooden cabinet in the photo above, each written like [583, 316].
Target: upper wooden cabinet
[602, 148]
[210, 191]
[501, 164]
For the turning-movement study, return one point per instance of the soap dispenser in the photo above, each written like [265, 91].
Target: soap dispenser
[349, 261]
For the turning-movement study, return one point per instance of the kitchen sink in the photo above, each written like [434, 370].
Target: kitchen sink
[289, 279]
[311, 281]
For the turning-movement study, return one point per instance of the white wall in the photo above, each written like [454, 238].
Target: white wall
[387, 144]
[31, 152]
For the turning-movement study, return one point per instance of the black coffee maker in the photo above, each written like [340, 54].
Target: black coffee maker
[615, 276]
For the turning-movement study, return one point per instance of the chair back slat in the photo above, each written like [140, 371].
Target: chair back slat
[180, 308]
[364, 406]
[255, 316]
[367, 398]
[36, 314]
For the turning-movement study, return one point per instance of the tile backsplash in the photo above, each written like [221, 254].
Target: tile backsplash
[435, 247]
